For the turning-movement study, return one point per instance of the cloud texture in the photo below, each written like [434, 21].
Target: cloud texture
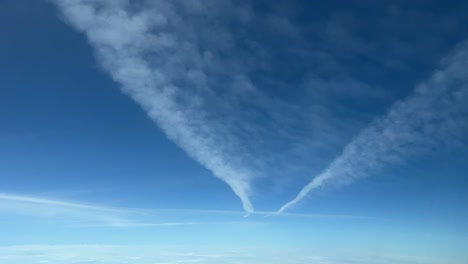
[158, 58]
[104, 254]
[434, 115]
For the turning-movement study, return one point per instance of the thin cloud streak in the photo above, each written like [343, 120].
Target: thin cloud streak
[435, 114]
[133, 224]
[45, 201]
[85, 215]
[183, 211]
[77, 214]
[124, 40]
[65, 211]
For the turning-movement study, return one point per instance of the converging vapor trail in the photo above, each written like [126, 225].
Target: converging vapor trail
[436, 112]
[201, 70]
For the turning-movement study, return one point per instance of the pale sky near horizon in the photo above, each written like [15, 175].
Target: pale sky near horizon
[219, 131]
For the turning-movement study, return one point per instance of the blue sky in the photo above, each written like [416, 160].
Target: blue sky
[233, 131]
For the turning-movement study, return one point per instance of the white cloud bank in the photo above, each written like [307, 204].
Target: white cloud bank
[154, 53]
[434, 115]
[107, 254]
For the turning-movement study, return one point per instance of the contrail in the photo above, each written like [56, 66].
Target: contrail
[153, 53]
[434, 114]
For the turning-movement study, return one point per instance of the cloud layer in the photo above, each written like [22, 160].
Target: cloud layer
[104, 254]
[433, 116]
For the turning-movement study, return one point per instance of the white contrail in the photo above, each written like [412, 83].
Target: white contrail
[13, 198]
[36, 207]
[152, 52]
[436, 113]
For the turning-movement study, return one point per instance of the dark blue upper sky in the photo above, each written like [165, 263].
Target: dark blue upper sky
[343, 108]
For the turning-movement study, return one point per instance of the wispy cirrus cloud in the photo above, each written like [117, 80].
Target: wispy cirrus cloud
[46, 207]
[433, 116]
[75, 213]
[16, 208]
[136, 224]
